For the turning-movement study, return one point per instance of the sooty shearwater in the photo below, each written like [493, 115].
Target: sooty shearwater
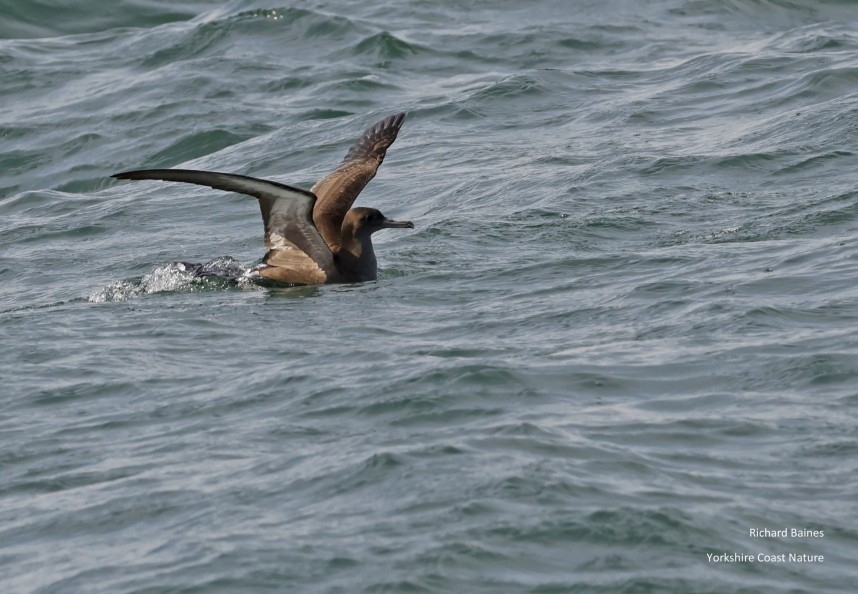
[313, 237]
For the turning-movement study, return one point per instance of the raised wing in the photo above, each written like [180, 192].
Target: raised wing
[338, 191]
[286, 211]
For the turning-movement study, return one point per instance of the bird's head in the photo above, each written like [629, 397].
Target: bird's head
[366, 221]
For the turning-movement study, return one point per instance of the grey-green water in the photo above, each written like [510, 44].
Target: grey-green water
[622, 335]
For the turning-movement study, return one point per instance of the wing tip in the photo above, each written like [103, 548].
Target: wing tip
[391, 122]
[141, 173]
[394, 120]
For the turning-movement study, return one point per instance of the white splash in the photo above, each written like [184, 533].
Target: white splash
[178, 276]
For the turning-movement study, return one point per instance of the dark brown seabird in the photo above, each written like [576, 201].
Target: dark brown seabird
[313, 237]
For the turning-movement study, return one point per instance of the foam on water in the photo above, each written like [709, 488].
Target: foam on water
[179, 276]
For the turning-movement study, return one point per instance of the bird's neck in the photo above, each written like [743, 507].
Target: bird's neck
[357, 256]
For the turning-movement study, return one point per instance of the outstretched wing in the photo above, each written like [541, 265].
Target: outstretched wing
[287, 212]
[338, 191]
